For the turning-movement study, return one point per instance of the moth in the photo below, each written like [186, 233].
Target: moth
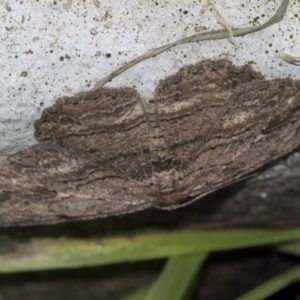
[110, 151]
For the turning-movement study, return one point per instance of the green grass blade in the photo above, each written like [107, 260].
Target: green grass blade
[177, 279]
[273, 285]
[139, 294]
[290, 248]
[49, 253]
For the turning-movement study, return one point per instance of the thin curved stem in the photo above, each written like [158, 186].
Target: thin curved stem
[211, 35]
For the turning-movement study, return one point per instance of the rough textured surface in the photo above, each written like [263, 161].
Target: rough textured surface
[110, 151]
[59, 48]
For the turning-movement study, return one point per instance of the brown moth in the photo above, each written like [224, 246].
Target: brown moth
[110, 151]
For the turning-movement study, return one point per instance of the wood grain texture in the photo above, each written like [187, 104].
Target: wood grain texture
[110, 151]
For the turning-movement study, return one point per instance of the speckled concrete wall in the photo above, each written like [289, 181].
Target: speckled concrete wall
[54, 48]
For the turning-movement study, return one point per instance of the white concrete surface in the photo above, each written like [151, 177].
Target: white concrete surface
[54, 48]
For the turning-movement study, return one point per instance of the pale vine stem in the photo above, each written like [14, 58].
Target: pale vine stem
[211, 35]
[221, 20]
[292, 59]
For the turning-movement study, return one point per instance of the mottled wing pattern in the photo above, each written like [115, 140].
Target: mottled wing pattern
[192, 102]
[47, 184]
[217, 122]
[261, 124]
[222, 122]
[106, 126]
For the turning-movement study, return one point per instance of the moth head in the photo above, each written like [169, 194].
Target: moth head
[168, 187]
